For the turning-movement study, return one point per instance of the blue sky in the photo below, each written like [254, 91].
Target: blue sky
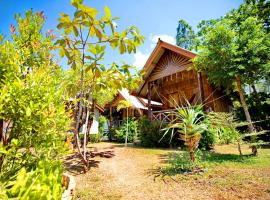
[155, 18]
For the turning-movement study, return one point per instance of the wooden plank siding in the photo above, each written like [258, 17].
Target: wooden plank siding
[174, 81]
[171, 79]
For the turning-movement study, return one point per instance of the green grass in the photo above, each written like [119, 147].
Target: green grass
[223, 173]
[180, 163]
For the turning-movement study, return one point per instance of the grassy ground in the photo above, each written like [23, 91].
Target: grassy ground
[139, 173]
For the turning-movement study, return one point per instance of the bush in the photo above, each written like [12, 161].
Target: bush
[32, 103]
[95, 138]
[181, 163]
[101, 122]
[150, 134]
[227, 135]
[223, 127]
[119, 134]
[208, 140]
[44, 182]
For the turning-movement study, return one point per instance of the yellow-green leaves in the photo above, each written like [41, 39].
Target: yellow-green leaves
[64, 21]
[107, 12]
[123, 104]
[75, 30]
[28, 112]
[122, 47]
[76, 3]
[86, 46]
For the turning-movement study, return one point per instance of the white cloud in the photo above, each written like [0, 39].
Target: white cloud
[166, 38]
[140, 59]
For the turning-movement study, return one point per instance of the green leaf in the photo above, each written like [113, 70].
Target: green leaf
[28, 112]
[76, 3]
[75, 30]
[92, 12]
[122, 47]
[107, 12]
[98, 33]
[92, 49]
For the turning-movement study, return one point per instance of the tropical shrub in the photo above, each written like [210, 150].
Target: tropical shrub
[32, 105]
[120, 133]
[208, 140]
[190, 124]
[101, 123]
[95, 138]
[181, 163]
[43, 182]
[150, 134]
[223, 126]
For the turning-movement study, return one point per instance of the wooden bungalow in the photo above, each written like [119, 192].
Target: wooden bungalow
[138, 108]
[171, 79]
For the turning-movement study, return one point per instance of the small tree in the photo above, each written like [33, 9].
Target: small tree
[84, 40]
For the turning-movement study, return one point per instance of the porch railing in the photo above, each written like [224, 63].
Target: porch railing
[165, 116]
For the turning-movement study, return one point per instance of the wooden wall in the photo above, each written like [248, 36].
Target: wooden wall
[181, 85]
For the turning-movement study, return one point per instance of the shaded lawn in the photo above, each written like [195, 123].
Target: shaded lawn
[138, 173]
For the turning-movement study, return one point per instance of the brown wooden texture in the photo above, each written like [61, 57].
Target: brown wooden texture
[175, 82]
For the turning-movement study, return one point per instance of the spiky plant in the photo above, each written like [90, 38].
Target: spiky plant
[189, 123]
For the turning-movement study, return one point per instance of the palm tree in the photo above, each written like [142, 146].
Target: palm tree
[189, 122]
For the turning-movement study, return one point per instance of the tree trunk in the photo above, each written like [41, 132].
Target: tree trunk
[78, 122]
[244, 104]
[239, 148]
[192, 156]
[126, 139]
[86, 124]
[85, 133]
[245, 107]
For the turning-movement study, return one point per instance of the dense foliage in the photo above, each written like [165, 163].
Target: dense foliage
[119, 134]
[234, 49]
[150, 134]
[208, 140]
[185, 36]
[32, 108]
[45, 182]
[234, 52]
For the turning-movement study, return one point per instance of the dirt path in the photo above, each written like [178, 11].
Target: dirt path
[129, 175]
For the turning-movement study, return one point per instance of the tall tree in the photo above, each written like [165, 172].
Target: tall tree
[235, 52]
[84, 41]
[185, 36]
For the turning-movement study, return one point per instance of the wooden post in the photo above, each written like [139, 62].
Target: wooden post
[149, 101]
[201, 90]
